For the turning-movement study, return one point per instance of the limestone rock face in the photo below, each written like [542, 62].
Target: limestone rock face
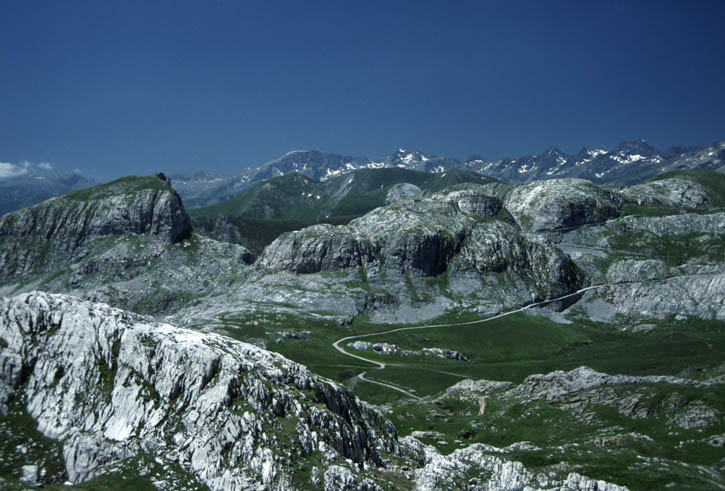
[70, 220]
[498, 247]
[461, 234]
[420, 236]
[146, 205]
[560, 203]
[111, 385]
[318, 248]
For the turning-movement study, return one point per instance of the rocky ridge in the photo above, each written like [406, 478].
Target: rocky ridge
[462, 234]
[111, 386]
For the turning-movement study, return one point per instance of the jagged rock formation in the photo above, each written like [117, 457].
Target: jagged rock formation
[235, 415]
[604, 417]
[111, 386]
[408, 236]
[560, 203]
[553, 385]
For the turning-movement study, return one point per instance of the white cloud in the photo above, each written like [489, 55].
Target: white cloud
[8, 170]
[11, 170]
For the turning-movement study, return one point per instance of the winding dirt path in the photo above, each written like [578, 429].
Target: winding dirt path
[381, 365]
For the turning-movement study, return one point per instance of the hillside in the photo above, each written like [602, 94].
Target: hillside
[258, 215]
[514, 336]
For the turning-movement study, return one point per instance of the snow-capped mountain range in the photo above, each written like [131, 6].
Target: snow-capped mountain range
[628, 163]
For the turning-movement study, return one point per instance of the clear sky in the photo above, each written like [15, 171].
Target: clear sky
[122, 87]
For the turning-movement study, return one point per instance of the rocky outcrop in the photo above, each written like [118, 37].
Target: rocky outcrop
[129, 205]
[400, 191]
[486, 260]
[634, 397]
[61, 225]
[675, 192]
[642, 269]
[419, 236]
[553, 385]
[498, 247]
[318, 248]
[478, 200]
[671, 225]
[663, 226]
[697, 296]
[423, 237]
[560, 203]
[111, 386]
[439, 471]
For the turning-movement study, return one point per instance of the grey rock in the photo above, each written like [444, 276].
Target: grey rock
[339, 478]
[473, 199]
[360, 345]
[419, 236]
[676, 192]
[559, 383]
[451, 471]
[30, 474]
[445, 354]
[402, 190]
[284, 335]
[697, 296]
[34, 236]
[696, 415]
[477, 386]
[560, 203]
[317, 248]
[717, 441]
[394, 247]
[671, 225]
[577, 482]
[498, 247]
[109, 385]
[629, 269]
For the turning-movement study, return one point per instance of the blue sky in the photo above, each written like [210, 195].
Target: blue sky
[115, 88]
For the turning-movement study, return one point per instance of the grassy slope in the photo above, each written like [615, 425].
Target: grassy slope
[124, 185]
[509, 349]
